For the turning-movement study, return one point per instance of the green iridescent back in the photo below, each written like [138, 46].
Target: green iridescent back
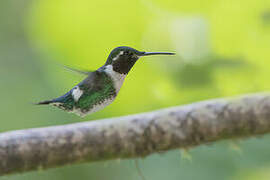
[97, 88]
[96, 95]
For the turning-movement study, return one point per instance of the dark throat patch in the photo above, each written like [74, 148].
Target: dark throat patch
[124, 64]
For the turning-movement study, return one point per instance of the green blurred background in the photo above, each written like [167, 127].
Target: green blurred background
[222, 50]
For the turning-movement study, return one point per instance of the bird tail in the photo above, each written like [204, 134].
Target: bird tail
[60, 99]
[45, 102]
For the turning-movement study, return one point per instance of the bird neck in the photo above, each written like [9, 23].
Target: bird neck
[117, 77]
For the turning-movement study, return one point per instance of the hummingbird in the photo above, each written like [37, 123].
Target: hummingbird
[100, 87]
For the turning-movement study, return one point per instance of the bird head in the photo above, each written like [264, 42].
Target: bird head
[123, 58]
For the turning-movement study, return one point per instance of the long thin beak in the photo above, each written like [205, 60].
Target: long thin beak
[155, 53]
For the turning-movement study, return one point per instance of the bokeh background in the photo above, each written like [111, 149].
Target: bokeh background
[222, 50]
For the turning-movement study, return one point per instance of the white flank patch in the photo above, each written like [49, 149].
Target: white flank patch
[76, 93]
[57, 104]
[117, 78]
[116, 57]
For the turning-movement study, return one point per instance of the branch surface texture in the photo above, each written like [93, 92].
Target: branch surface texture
[135, 135]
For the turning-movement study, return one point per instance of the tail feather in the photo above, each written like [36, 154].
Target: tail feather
[60, 99]
[45, 102]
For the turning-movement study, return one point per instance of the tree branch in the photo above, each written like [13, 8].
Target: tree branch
[136, 135]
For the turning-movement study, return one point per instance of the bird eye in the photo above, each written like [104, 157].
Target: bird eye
[126, 53]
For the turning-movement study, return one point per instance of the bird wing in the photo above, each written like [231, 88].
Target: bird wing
[77, 70]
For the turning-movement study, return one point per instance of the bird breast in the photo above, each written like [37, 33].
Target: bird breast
[117, 78]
